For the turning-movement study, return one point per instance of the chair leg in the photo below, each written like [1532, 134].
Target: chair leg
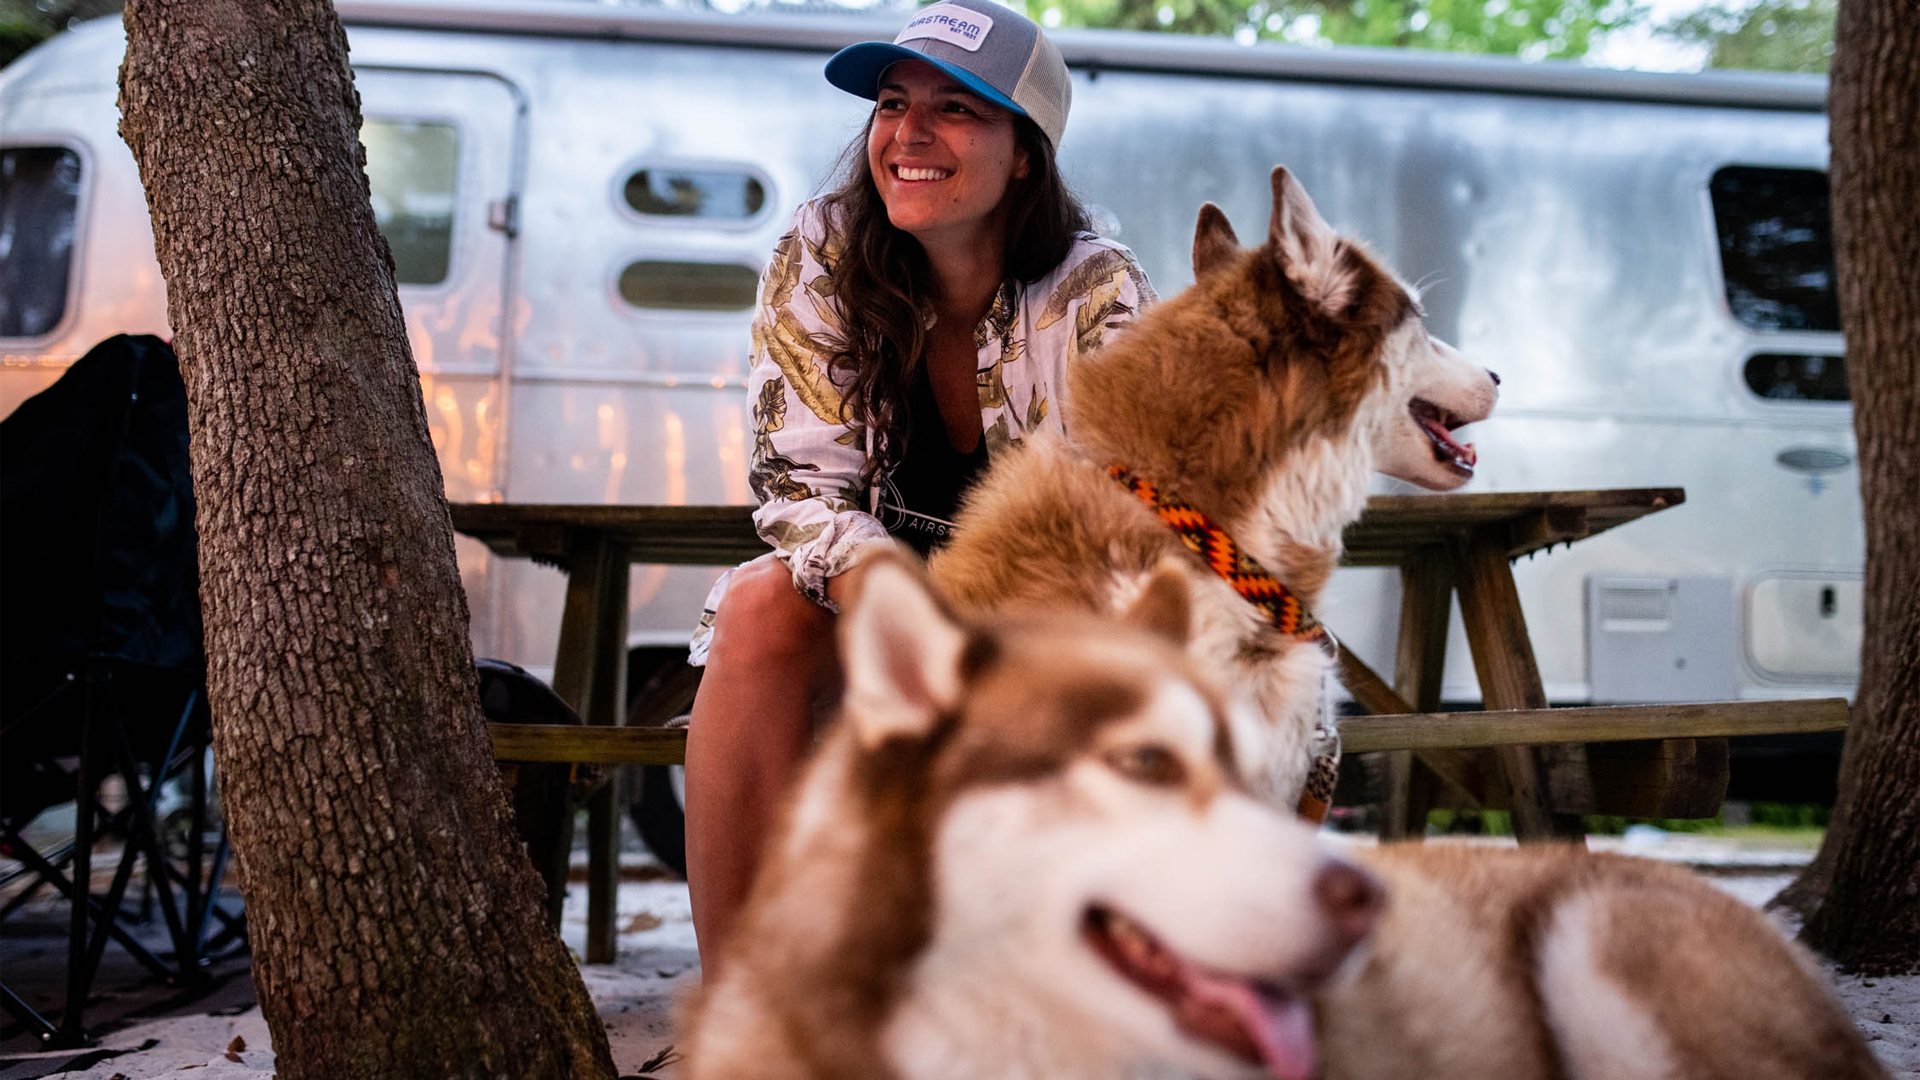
[72, 1027]
[186, 912]
[187, 895]
[109, 917]
[25, 1015]
[95, 910]
[143, 836]
[233, 927]
[11, 837]
[197, 898]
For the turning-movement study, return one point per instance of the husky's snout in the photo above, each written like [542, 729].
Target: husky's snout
[1444, 391]
[1350, 899]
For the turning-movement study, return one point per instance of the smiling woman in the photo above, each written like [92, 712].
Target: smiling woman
[914, 322]
[941, 157]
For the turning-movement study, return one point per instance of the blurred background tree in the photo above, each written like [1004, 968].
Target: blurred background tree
[1772, 35]
[1535, 29]
[1765, 35]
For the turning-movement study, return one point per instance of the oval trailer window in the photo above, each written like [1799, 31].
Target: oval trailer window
[695, 193]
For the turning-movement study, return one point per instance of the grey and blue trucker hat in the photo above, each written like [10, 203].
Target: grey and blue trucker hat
[995, 51]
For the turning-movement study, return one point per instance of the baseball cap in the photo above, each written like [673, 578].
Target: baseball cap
[994, 51]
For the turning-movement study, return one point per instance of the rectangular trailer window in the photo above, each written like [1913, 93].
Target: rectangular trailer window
[672, 285]
[39, 205]
[412, 167]
[1797, 377]
[1776, 247]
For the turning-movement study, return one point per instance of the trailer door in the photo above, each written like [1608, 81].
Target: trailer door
[442, 171]
[445, 158]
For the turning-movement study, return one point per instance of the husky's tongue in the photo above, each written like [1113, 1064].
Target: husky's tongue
[1461, 453]
[1442, 439]
[1228, 1010]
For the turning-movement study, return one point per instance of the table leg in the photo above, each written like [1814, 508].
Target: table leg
[1509, 677]
[1426, 601]
[590, 673]
[1457, 769]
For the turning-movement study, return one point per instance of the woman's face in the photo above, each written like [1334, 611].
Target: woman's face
[941, 156]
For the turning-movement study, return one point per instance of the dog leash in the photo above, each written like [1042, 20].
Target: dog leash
[1284, 609]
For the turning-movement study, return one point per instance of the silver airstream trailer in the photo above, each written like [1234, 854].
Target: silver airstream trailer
[579, 198]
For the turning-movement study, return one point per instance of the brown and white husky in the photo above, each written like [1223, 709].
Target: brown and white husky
[1027, 850]
[1255, 407]
[971, 868]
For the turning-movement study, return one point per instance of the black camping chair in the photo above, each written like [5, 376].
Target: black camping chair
[102, 672]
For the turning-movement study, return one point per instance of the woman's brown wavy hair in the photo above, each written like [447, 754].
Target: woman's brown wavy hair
[884, 286]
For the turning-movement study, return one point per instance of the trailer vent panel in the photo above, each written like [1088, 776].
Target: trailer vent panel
[1632, 607]
[1652, 639]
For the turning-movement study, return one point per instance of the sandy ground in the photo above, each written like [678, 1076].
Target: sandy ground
[657, 964]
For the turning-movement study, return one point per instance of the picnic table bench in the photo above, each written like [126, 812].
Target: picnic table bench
[1517, 754]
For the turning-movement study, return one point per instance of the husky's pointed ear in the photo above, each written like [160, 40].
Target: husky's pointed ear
[1165, 606]
[901, 652]
[1308, 247]
[1213, 240]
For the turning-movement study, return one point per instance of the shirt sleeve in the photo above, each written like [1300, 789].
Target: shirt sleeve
[808, 461]
[1116, 296]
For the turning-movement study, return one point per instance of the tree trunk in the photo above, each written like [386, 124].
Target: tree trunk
[1868, 916]
[397, 926]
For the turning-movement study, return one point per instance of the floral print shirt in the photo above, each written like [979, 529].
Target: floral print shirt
[816, 507]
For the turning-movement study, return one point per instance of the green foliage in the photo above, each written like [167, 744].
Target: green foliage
[1470, 822]
[26, 23]
[17, 36]
[1789, 815]
[1761, 819]
[1772, 35]
[1608, 825]
[1535, 29]
[1770, 819]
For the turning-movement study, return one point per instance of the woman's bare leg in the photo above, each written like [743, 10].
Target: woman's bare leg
[771, 658]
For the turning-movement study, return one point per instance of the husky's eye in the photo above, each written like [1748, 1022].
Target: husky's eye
[1147, 764]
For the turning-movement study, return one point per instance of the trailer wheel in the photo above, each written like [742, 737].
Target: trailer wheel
[660, 687]
[659, 815]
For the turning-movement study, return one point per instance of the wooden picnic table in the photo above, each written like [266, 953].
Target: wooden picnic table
[1442, 545]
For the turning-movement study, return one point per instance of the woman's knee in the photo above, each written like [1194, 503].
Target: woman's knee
[763, 619]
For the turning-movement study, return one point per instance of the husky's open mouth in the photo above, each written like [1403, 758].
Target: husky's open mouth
[1438, 424]
[1257, 1020]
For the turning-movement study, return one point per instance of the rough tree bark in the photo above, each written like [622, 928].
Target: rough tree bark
[397, 928]
[1862, 895]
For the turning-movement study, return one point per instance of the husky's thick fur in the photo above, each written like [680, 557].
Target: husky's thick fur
[976, 859]
[1028, 852]
[1264, 396]
[1557, 964]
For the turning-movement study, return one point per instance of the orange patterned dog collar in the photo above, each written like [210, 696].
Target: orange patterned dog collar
[1208, 540]
[1258, 587]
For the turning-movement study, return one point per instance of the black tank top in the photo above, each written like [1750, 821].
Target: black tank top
[919, 500]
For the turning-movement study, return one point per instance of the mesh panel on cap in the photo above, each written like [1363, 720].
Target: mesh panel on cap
[1044, 90]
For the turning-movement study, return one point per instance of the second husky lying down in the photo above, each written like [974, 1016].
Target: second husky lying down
[1028, 851]
[1544, 963]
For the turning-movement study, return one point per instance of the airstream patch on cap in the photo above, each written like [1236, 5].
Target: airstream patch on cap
[950, 23]
[1018, 69]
